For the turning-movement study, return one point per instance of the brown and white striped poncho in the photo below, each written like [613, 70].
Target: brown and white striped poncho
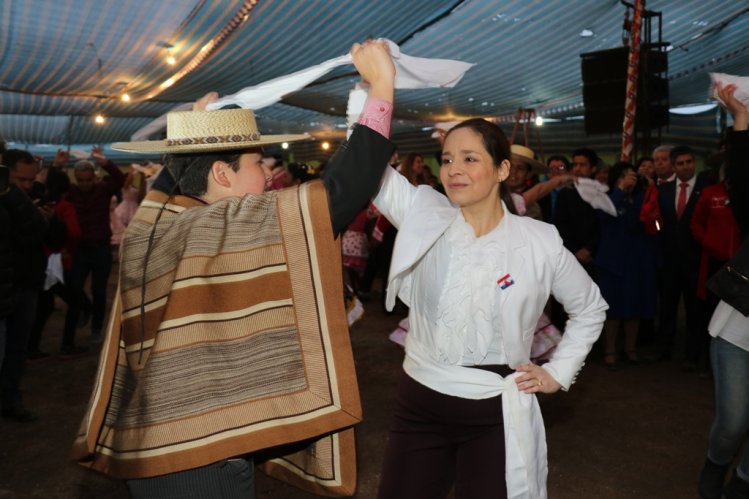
[245, 346]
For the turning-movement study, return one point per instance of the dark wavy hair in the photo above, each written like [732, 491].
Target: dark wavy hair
[496, 144]
[616, 171]
[191, 170]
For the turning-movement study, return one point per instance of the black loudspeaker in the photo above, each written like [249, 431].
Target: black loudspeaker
[604, 76]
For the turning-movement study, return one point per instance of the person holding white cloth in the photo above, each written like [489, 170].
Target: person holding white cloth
[476, 278]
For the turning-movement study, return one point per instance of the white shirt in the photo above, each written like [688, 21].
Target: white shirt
[449, 315]
[731, 325]
[690, 188]
[669, 179]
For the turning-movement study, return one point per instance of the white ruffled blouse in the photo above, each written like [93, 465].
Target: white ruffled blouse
[453, 297]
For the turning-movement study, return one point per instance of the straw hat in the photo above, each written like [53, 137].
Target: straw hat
[525, 154]
[205, 131]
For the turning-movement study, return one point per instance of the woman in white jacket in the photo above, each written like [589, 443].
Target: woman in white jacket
[476, 278]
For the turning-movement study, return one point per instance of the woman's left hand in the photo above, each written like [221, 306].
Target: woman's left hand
[534, 379]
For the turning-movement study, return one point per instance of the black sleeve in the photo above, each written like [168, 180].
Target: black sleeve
[116, 178]
[737, 177]
[29, 225]
[353, 175]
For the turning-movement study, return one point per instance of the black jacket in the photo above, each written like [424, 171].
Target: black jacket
[680, 248]
[28, 228]
[737, 177]
[576, 221]
[6, 263]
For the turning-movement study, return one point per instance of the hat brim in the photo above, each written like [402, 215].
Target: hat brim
[535, 165]
[161, 146]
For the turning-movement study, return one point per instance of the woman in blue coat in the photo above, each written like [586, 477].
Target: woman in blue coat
[626, 261]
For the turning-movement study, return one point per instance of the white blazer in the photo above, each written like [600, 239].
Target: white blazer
[539, 265]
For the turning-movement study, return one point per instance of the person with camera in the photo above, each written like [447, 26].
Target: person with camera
[626, 264]
[27, 229]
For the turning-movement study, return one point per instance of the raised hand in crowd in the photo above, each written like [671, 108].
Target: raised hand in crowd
[738, 109]
[61, 159]
[41, 176]
[98, 154]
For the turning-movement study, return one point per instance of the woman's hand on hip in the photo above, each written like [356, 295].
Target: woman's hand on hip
[534, 379]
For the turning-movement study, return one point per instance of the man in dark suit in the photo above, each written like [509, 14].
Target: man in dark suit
[577, 222]
[575, 219]
[680, 256]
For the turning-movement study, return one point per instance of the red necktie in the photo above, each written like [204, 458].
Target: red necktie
[681, 203]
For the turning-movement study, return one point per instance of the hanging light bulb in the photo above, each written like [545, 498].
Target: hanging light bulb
[99, 119]
[285, 145]
[171, 60]
[325, 145]
[125, 98]
[539, 120]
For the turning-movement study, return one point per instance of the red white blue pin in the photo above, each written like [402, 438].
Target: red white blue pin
[505, 281]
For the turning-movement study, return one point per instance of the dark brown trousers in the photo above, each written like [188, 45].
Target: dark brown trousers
[437, 441]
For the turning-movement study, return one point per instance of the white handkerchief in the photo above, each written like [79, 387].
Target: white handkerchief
[158, 125]
[78, 154]
[741, 82]
[594, 193]
[54, 271]
[442, 128]
[410, 72]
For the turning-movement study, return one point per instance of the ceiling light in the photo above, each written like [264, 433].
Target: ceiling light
[284, 145]
[539, 120]
[125, 98]
[325, 145]
[693, 108]
[171, 60]
[99, 119]
[586, 33]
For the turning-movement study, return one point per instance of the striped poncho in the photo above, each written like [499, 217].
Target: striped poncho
[243, 346]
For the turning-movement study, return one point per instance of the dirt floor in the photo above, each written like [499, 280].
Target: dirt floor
[636, 433]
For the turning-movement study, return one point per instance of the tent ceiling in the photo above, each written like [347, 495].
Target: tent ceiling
[64, 61]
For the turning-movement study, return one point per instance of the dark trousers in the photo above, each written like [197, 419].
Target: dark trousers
[19, 324]
[71, 294]
[227, 479]
[378, 263]
[678, 281]
[97, 261]
[437, 440]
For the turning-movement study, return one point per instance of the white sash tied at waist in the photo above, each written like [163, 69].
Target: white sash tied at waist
[525, 439]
